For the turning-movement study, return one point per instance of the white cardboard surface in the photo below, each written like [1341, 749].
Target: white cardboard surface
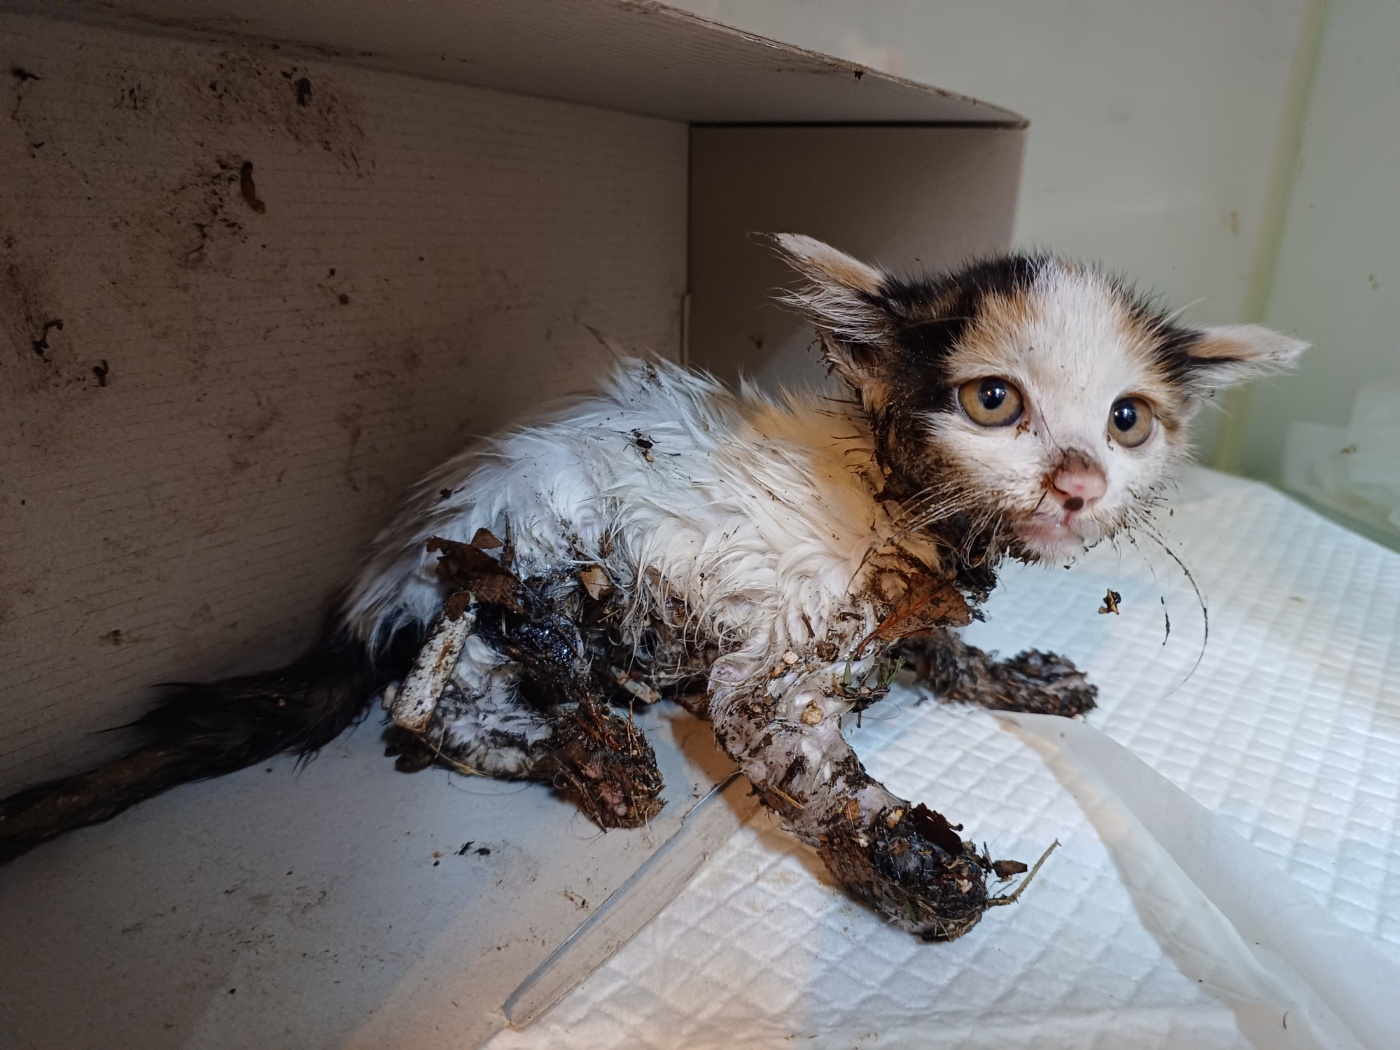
[919, 198]
[1139, 933]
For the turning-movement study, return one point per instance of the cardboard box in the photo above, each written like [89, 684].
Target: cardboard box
[254, 363]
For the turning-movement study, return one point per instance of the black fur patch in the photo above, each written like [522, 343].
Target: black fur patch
[218, 727]
[1172, 344]
[930, 314]
[926, 318]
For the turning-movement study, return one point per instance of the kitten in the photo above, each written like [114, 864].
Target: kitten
[765, 560]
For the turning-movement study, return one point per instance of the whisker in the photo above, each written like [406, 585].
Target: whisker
[1151, 533]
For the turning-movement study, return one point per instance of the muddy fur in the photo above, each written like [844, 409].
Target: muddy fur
[1031, 681]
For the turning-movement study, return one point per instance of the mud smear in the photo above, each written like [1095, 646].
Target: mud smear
[43, 358]
[200, 211]
[247, 189]
[41, 345]
[255, 431]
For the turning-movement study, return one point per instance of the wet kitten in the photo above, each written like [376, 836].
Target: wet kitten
[763, 559]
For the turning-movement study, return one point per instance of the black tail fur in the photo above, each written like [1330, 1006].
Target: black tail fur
[200, 730]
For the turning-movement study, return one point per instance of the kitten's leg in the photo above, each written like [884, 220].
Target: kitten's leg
[1031, 681]
[481, 723]
[486, 723]
[781, 721]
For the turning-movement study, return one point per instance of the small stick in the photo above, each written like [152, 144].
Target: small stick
[784, 795]
[1010, 898]
[418, 697]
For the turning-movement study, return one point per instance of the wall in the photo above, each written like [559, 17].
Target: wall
[1337, 279]
[923, 195]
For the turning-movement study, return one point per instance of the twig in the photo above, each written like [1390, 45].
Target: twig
[1010, 898]
[783, 795]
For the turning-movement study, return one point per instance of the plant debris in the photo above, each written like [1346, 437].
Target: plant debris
[1110, 603]
[1015, 895]
[598, 759]
[596, 582]
[468, 568]
[562, 633]
[927, 605]
[909, 863]
[1005, 869]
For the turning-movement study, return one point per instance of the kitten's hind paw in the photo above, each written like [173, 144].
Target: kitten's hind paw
[604, 765]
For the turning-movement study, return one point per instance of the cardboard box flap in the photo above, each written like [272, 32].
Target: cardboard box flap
[636, 57]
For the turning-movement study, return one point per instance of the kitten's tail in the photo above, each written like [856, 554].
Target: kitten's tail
[200, 730]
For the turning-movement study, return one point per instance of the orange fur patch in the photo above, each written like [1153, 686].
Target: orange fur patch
[848, 272]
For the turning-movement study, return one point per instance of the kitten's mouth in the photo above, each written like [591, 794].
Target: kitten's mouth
[1053, 538]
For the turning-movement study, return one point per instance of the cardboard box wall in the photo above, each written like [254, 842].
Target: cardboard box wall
[444, 200]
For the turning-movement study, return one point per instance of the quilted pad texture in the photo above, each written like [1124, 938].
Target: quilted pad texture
[1287, 732]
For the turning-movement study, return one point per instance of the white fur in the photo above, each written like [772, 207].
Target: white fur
[756, 514]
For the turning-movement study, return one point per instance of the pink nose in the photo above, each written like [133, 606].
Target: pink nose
[1077, 487]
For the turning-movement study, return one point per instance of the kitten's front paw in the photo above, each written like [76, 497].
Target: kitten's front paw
[1045, 684]
[1031, 681]
[911, 865]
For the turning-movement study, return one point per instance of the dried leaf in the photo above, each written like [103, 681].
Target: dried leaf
[1006, 868]
[596, 582]
[934, 826]
[928, 605]
[456, 605]
[486, 540]
[468, 568]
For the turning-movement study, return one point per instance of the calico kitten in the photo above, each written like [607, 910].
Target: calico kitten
[766, 560]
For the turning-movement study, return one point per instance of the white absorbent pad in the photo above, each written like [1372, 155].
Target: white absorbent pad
[1229, 867]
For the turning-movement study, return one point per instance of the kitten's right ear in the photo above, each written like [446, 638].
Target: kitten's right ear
[842, 297]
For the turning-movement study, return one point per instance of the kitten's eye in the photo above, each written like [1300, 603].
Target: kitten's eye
[1130, 421]
[990, 402]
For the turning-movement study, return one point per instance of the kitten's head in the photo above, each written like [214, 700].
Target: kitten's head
[1028, 401]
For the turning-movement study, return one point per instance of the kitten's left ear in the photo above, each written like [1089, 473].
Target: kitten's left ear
[843, 298]
[1234, 354]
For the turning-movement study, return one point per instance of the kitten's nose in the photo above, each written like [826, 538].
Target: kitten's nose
[1078, 485]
